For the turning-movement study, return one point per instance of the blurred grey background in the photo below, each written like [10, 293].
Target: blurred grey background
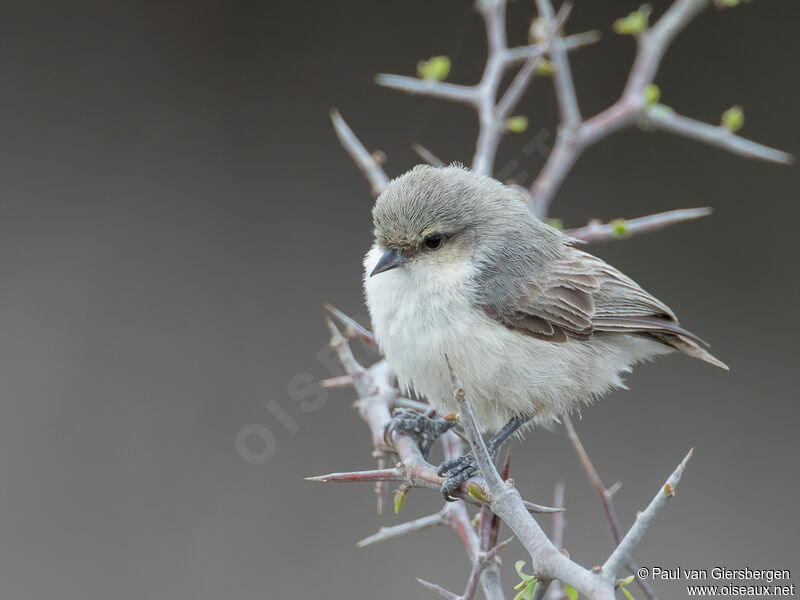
[174, 210]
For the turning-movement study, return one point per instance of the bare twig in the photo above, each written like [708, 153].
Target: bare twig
[632, 107]
[714, 135]
[573, 42]
[551, 590]
[522, 79]
[426, 155]
[606, 497]
[426, 87]
[376, 176]
[388, 533]
[506, 502]
[643, 520]
[595, 231]
[565, 89]
[483, 95]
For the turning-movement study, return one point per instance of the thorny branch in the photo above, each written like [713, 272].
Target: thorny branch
[375, 385]
[377, 396]
[606, 497]
[548, 563]
[574, 137]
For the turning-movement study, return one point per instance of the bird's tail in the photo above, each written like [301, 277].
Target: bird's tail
[693, 348]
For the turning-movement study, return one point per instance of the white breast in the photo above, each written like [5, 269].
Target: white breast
[419, 319]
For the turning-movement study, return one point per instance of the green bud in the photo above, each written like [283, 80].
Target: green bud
[652, 94]
[545, 67]
[572, 593]
[436, 68]
[626, 581]
[476, 492]
[635, 23]
[517, 124]
[399, 499]
[556, 224]
[619, 227]
[733, 118]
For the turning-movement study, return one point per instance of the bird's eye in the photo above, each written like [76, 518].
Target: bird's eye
[434, 242]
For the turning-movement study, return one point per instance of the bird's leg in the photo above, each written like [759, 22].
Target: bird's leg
[458, 470]
[424, 429]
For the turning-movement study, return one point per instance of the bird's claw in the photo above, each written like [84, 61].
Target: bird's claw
[424, 429]
[456, 472]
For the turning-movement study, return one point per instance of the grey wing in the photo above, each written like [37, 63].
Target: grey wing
[578, 295]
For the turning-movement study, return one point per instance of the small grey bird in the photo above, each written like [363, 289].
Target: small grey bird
[533, 326]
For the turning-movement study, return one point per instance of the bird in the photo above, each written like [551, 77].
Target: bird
[463, 278]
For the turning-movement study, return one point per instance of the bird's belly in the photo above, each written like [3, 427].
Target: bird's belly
[421, 326]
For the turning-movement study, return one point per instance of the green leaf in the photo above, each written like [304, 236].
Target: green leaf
[572, 593]
[518, 568]
[628, 595]
[527, 580]
[652, 94]
[635, 23]
[619, 227]
[733, 118]
[527, 588]
[527, 593]
[436, 68]
[517, 124]
[627, 580]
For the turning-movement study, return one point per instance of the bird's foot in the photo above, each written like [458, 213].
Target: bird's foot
[424, 429]
[456, 472]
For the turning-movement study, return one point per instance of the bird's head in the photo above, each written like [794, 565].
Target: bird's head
[441, 218]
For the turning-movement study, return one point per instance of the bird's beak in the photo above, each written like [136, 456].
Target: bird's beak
[391, 259]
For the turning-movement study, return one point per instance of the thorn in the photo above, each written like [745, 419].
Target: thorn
[352, 328]
[337, 382]
[374, 475]
[493, 552]
[613, 489]
[539, 509]
[439, 590]
[506, 467]
[428, 156]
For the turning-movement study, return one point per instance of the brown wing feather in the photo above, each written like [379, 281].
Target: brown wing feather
[579, 294]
